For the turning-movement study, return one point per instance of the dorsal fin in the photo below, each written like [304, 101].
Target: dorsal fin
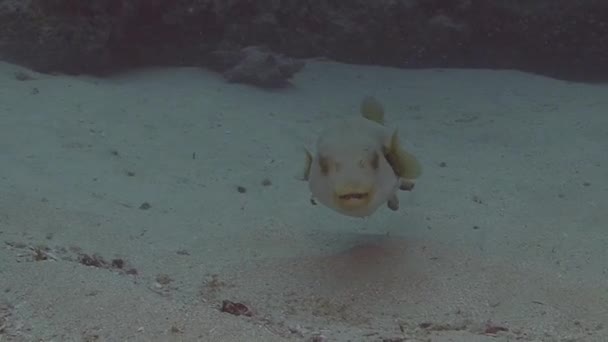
[372, 109]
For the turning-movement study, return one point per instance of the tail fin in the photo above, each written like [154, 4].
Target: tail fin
[372, 109]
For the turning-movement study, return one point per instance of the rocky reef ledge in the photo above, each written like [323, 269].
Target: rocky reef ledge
[564, 39]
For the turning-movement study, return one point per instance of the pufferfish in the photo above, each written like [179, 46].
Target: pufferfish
[359, 164]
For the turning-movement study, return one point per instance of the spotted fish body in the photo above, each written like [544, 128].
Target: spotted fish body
[359, 165]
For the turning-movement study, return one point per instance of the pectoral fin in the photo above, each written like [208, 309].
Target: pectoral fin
[307, 164]
[403, 163]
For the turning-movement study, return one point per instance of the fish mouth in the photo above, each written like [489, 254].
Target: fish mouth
[353, 198]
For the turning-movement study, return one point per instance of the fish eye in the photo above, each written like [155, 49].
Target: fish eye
[372, 160]
[375, 162]
[324, 165]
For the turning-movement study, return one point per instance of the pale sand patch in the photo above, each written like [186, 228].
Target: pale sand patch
[506, 228]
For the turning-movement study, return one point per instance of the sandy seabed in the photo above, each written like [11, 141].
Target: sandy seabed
[121, 216]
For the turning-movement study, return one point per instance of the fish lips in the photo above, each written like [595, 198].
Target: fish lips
[352, 197]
